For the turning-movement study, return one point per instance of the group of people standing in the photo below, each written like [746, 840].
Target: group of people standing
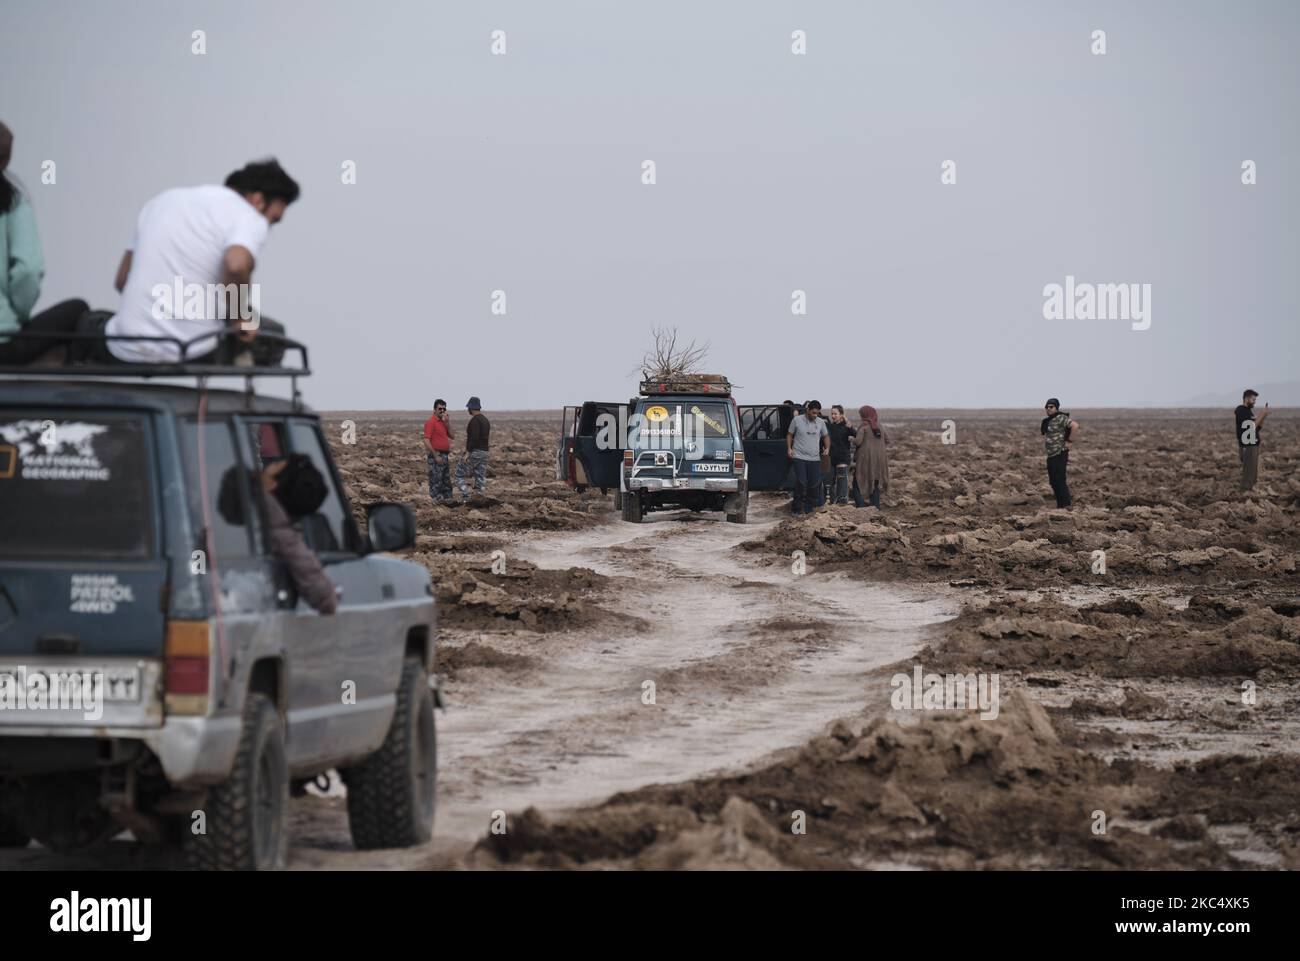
[437, 453]
[825, 452]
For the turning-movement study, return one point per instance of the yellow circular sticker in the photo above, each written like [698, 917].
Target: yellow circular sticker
[656, 414]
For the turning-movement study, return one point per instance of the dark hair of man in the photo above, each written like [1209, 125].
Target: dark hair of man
[300, 487]
[439, 403]
[265, 177]
[812, 404]
[1247, 395]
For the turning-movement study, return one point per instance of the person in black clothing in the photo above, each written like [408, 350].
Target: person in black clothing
[1059, 432]
[1247, 427]
[786, 414]
[475, 460]
[841, 454]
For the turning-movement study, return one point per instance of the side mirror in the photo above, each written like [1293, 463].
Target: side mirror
[391, 527]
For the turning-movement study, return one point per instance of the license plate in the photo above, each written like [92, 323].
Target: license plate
[712, 468]
[115, 684]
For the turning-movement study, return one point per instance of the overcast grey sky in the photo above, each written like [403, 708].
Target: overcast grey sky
[775, 172]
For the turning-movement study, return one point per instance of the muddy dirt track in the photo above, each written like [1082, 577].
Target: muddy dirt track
[1147, 715]
[1123, 695]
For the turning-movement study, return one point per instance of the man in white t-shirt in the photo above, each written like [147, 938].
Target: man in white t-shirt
[188, 271]
[807, 442]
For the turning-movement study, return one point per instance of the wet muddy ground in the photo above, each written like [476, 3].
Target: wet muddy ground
[1147, 713]
[674, 694]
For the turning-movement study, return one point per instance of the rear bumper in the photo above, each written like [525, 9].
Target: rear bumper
[192, 750]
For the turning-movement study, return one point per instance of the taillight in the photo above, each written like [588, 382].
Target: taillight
[738, 460]
[627, 458]
[188, 652]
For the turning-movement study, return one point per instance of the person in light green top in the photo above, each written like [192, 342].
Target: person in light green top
[22, 267]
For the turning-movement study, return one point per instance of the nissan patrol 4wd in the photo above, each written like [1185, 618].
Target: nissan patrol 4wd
[684, 443]
[158, 671]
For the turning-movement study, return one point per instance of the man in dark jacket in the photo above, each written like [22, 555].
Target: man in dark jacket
[786, 414]
[475, 460]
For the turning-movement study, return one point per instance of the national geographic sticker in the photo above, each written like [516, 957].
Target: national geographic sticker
[656, 413]
[49, 451]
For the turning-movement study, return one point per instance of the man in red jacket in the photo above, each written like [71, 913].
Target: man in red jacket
[437, 446]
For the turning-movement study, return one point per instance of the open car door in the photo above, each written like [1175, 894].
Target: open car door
[564, 449]
[596, 449]
[764, 441]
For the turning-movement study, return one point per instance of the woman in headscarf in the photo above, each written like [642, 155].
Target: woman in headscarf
[22, 267]
[870, 459]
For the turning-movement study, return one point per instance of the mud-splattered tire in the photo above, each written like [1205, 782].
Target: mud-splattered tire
[618, 499]
[632, 510]
[392, 793]
[245, 818]
[740, 515]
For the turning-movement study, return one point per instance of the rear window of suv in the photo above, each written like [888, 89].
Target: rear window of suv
[665, 421]
[75, 484]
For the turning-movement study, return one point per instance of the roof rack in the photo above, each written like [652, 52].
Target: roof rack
[228, 345]
[687, 384]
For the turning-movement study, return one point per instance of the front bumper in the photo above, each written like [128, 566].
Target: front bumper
[719, 484]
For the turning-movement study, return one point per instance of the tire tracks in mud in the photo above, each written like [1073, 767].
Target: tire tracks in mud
[745, 659]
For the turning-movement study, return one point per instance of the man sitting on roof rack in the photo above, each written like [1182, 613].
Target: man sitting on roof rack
[187, 275]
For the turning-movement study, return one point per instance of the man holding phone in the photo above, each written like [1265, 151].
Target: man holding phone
[437, 446]
[1248, 426]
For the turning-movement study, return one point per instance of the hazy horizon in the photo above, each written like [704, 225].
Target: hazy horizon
[775, 172]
